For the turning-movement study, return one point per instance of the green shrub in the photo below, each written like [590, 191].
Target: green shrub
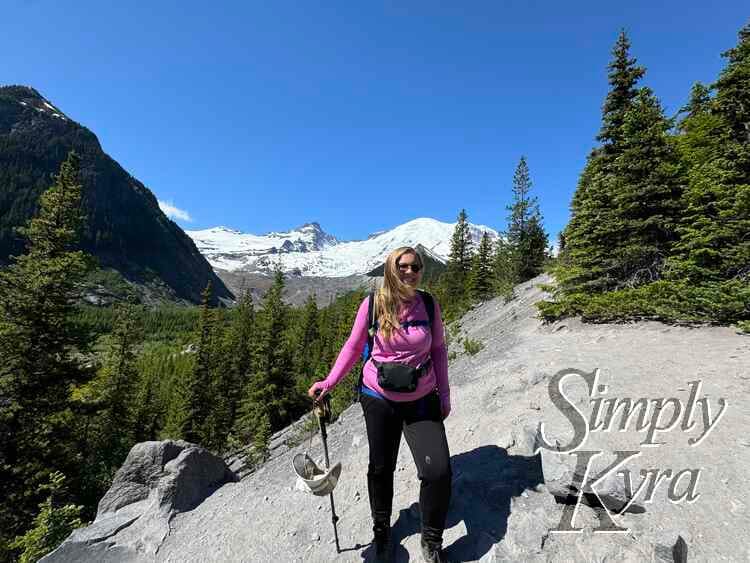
[671, 301]
[471, 347]
[51, 526]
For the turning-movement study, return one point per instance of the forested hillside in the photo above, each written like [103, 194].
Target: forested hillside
[125, 229]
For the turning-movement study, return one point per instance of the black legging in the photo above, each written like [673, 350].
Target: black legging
[421, 423]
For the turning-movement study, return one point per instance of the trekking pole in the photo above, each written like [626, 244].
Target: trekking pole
[323, 412]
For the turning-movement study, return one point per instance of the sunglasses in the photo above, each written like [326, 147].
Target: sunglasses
[414, 267]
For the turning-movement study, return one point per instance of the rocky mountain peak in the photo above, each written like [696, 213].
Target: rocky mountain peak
[31, 99]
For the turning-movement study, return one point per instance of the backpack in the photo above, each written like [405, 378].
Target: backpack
[372, 328]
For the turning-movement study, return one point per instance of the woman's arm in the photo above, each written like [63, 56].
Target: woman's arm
[351, 350]
[439, 354]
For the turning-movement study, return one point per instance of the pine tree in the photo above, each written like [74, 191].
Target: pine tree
[647, 180]
[270, 391]
[459, 260]
[592, 233]
[199, 395]
[525, 235]
[623, 77]
[189, 407]
[503, 267]
[52, 524]
[732, 94]
[37, 338]
[120, 379]
[236, 353]
[261, 438]
[480, 277]
[714, 247]
[307, 353]
[147, 408]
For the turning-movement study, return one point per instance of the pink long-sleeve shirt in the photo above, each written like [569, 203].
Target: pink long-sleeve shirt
[412, 346]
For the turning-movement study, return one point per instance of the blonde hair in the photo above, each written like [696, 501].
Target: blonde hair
[394, 292]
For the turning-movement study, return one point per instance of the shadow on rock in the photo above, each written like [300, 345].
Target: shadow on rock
[484, 481]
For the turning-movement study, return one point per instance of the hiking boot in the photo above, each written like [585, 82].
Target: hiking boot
[433, 553]
[382, 542]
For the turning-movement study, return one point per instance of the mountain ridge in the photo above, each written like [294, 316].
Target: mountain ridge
[322, 254]
[124, 229]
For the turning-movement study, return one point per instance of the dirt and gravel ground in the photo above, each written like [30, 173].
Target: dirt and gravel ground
[501, 509]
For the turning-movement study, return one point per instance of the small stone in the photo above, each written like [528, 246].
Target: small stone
[315, 536]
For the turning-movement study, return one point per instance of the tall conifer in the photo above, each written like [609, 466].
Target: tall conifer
[480, 278]
[459, 260]
[37, 338]
[592, 233]
[646, 205]
[525, 235]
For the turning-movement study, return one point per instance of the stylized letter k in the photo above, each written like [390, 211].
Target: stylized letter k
[583, 484]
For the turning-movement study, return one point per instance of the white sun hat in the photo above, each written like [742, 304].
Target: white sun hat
[312, 478]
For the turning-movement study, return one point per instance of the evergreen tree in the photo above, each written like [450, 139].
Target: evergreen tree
[732, 94]
[233, 369]
[199, 396]
[481, 275]
[503, 267]
[592, 234]
[270, 392]
[189, 407]
[525, 234]
[623, 77]
[347, 310]
[120, 379]
[459, 260]
[37, 338]
[147, 408]
[51, 525]
[307, 353]
[714, 246]
[261, 438]
[647, 180]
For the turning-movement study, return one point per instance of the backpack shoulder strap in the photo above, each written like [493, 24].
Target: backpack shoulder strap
[371, 320]
[429, 304]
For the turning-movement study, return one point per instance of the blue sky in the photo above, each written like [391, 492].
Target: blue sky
[359, 115]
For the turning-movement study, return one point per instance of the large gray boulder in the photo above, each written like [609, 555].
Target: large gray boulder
[157, 481]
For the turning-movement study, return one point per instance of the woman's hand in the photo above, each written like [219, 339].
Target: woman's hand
[317, 391]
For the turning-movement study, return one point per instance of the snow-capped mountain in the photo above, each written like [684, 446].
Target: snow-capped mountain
[309, 251]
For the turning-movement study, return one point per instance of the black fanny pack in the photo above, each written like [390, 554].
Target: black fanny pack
[393, 376]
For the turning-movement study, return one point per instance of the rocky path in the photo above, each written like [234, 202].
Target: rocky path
[502, 508]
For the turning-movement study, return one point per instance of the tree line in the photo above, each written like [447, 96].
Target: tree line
[660, 219]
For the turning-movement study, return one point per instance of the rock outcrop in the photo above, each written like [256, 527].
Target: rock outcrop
[157, 481]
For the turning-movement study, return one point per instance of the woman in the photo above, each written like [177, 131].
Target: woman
[400, 344]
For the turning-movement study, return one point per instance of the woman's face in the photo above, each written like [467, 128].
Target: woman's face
[406, 265]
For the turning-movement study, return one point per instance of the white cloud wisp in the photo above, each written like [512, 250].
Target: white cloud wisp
[173, 212]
